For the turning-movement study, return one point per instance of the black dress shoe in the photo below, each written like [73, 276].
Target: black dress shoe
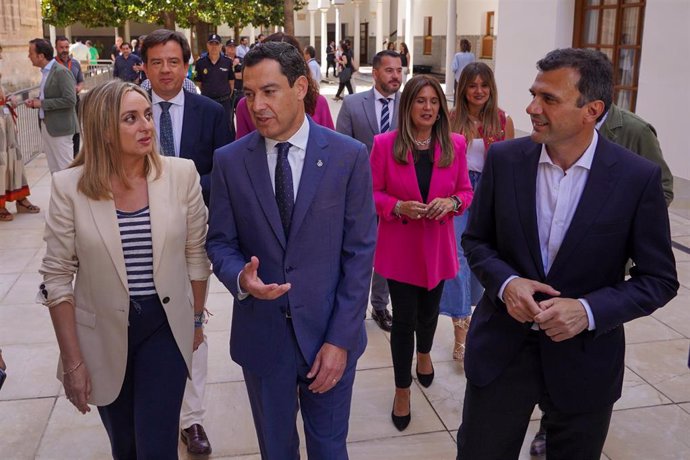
[195, 439]
[383, 319]
[425, 379]
[400, 421]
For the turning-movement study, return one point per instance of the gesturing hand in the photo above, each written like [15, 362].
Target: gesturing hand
[252, 284]
[562, 318]
[519, 298]
[328, 368]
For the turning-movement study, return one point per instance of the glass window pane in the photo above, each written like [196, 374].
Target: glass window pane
[610, 2]
[591, 26]
[608, 52]
[593, 2]
[631, 20]
[624, 99]
[608, 27]
[626, 67]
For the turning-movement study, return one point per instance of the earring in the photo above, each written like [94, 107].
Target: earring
[438, 117]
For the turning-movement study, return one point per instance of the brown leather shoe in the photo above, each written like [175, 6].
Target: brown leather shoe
[195, 439]
[383, 318]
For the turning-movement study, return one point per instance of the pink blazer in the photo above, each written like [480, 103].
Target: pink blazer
[245, 125]
[419, 252]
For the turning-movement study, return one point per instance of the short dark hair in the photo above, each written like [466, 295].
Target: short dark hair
[127, 44]
[594, 67]
[310, 51]
[465, 45]
[61, 38]
[292, 63]
[163, 36]
[376, 62]
[43, 47]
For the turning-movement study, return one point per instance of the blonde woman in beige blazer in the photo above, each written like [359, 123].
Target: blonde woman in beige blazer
[127, 328]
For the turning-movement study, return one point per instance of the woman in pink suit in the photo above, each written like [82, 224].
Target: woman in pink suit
[420, 183]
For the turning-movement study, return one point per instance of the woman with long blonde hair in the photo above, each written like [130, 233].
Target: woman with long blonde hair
[481, 122]
[128, 227]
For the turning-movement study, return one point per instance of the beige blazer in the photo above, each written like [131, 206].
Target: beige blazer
[83, 239]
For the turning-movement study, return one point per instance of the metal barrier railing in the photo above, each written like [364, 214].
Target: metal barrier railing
[29, 134]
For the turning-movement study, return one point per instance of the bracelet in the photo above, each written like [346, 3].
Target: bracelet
[457, 202]
[67, 372]
[199, 319]
[396, 209]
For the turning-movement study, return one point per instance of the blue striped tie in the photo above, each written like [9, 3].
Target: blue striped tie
[385, 115]
[285, 193]
[167, 140]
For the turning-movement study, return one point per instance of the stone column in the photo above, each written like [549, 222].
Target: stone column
[451, 32]
[312, 27]
[127, 38]
[357, 44]
[379, 25]
[338, 38]
[409, 37]
[324, 38]
[252, 34]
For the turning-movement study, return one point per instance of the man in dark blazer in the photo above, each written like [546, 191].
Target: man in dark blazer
[556, 218]
[362, 117]
[292, 231]
[194, 127]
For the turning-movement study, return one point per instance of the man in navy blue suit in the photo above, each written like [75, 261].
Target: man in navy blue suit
[292, 236]
[188, 126]
[557, 217]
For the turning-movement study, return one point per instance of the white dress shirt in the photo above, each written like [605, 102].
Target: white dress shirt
[176, 111]
[557, 195]
[296, 156]
[41, 95]
[379, 108]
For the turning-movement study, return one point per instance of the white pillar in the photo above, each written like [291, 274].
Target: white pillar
[379, 25]
[324, 39]
[68, 34]
[401, 21]
[357, 51]
[53, 33]
[409, 38]
[338, 38]
[312, 27]
[252, 34]
[127, 38]
[451, 32]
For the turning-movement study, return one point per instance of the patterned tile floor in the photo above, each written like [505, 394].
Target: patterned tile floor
[651, 421]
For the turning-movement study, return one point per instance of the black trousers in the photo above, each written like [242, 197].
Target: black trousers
[495, 417]
[330, 64]
[143, 422]
[415, 312]
[341, 86]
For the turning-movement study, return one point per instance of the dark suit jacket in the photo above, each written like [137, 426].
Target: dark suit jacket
[204, 129]
[621, 215]
[59, 102]
[327, 257]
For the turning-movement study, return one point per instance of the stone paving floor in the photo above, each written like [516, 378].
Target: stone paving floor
[651, 421]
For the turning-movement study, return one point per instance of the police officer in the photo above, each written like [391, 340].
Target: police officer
[215, 74]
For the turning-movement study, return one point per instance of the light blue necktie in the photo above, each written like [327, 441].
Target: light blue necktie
[385, 115]
[285, 193]
[167, 140]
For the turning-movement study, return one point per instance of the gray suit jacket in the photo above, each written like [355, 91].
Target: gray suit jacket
[357, 117]
[59, 102]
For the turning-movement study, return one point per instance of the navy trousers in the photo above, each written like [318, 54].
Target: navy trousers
[143, 422]
[276, 398]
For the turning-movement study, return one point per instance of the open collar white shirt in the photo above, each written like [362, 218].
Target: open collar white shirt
[41, 95]
[176, 111]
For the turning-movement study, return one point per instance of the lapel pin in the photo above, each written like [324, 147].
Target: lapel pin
[319, 163]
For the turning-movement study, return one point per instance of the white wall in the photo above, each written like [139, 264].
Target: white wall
[529, 30]
[472, 16]
[664, 84]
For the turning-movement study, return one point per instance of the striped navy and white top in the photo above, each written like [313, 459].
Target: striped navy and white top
[135, 233]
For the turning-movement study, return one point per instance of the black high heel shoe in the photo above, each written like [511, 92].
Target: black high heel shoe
[400, 421]
[425, 379]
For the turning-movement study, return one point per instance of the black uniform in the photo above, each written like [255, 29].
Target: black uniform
[214, 80]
